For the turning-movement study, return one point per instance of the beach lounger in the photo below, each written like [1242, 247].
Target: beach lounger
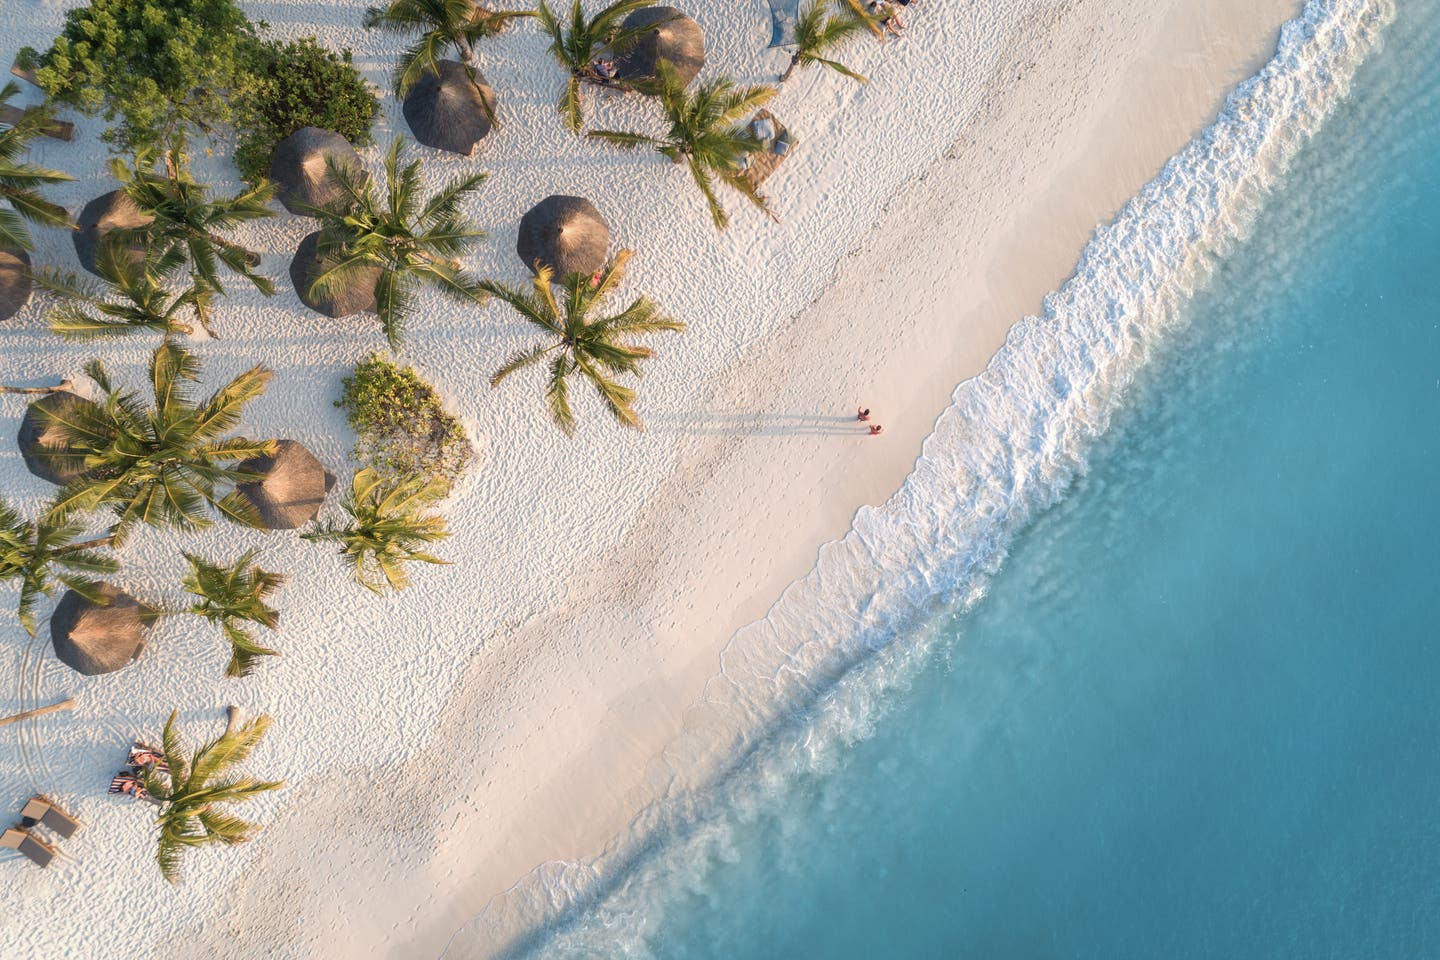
[39, 852]
[143, 755]
[130, 785]
[43, 811]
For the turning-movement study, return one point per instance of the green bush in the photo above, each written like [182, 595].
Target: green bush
[400, 427]
[292, 85]
[159, 67]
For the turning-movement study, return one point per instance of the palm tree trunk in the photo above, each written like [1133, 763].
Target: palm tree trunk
[63, 386]
[107, 541]
[66, 704]
[794, 62]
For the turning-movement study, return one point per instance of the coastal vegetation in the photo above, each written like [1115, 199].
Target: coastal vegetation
[706, 133]
[444, 27]
[400, 425]
[131, 298]
[163, 463]
[20, 182]
[821, 29]
[578, 44]
[45, 556]
[294, 84]
[597, 348]
[234, 597]
[193, 791]
[411, 241]
[391, 523]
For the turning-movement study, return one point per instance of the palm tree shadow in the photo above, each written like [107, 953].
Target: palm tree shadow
[757, 424]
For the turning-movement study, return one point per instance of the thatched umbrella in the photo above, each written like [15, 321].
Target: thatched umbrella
[357, 296]
[298, 167]
[15, 282]
[566, 234]
[675, 37]
[292, 487]
[97, 638]
[110, 211]
[446, 111]
[39, 441]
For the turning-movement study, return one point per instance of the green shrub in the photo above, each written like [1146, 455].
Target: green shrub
[292, 85]
[159, 67]
[400, 427]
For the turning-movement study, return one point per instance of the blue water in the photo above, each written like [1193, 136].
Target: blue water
[1198, 712]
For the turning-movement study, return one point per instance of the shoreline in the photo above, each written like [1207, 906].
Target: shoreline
[599, 730]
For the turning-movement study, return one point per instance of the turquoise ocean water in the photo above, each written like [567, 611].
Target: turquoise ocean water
[1195, 712]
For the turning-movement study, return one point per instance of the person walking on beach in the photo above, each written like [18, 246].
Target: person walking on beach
[875, 429]
[862, 414]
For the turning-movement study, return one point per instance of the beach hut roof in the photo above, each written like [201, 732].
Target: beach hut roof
[298, 167]
[445, 110]
[93, 638]
[357, 296]
[292, 488]
[108, 212]
[675, 37]
[40, 446]
[15, 282]
[564, 233]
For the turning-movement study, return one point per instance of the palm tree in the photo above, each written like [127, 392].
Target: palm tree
[183, 232]
[597, 349]
[195, 789]
[821, 30]
[44, 556]
[705, 133]
[411, 243]
[160, 464]
[233, 596]
[131, 299]
[19, 182]
[577, 47]
[390, 523]
[443, 25]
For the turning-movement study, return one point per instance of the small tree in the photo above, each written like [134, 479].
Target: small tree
[193, 794]
[444, 26]
[705, 133]
[19, 182]
[44, 556]
[576, 46]
[390, 524]
[130, 299]
[411, 241]
[234, 596]
[598, 349]
[820, 30]
[160, 464]
[183, 231]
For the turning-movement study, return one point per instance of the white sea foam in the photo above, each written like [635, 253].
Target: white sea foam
[1008, 447]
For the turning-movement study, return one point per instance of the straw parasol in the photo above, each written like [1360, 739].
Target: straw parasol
[298, 167]
[675, 37]
[357, 296]
[447, 112]
[15, 282]
[38, 440]
[94, 638]
[293, 484]
[110, 211]
[566, 234]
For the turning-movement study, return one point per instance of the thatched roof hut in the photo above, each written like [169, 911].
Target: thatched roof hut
[447, 111]
[356, 297]
[92, 638]
[564, 233]
[299, 168]
[675, 37]
[39, 440]
[15, 285]
[108, 212]
[292, 488]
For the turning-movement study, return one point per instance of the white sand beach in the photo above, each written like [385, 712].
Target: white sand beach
[520, 708]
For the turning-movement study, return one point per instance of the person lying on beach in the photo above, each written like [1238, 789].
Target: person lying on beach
[886, 16]
[142, 755]
[604, 69]
[129, 785]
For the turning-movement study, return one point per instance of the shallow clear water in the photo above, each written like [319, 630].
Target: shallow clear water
[1196, 714]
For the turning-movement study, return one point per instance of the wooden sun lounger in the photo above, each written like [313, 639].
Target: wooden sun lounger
[765, 162]
[43, 811]
[55, 129]
[39, 852]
